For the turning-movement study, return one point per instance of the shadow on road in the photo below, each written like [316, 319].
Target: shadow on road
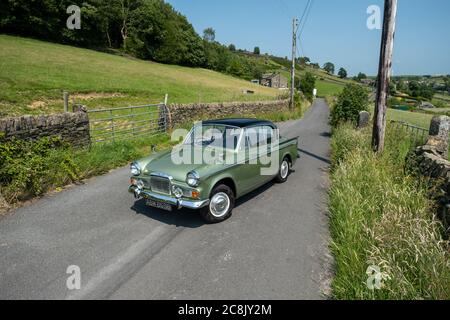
[180, 218]
[184, 217]
[253, 194]
[315, 156]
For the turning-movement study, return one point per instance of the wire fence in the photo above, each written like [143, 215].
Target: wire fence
[419, 135]
[123, 123]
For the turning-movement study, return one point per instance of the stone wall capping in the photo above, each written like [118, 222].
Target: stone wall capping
[71, 127]
[184, 113]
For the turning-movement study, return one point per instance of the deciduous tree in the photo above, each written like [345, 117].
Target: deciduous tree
[209, 35]
[342, 73]
[329, 67]
[307, 85]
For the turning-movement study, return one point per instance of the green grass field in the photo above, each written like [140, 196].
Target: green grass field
[415, 118]
[33, 75]
[443, 97]
[325, 88]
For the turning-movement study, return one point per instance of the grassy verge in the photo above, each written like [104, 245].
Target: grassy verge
[382, 217]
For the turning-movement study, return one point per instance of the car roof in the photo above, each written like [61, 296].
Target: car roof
[240, 122]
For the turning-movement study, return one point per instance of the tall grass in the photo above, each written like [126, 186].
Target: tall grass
[380, 216]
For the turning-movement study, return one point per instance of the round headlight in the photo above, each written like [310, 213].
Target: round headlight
[135, 169]
[193, 179]
[177, 191]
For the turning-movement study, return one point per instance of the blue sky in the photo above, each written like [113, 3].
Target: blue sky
[335, 31]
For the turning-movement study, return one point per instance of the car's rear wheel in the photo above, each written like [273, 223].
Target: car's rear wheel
[283, 172]
[221, 204]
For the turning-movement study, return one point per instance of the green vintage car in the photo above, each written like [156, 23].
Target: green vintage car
[218, 162]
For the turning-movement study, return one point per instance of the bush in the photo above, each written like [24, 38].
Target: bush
[307, 85]
[351, 101]
[29, 169]
[380, 216]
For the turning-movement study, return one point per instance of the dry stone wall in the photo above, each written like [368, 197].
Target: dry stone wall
[184, 113]
[70, 127]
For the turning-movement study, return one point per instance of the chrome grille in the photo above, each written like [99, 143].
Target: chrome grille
[147, 184]
[160, 184]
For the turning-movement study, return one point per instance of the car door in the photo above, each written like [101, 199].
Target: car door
[248, 169]
[258, 150]
[265, 159]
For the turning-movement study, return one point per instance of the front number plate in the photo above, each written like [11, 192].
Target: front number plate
[159, 205]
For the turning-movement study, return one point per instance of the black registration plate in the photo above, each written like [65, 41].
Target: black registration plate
[159, 205]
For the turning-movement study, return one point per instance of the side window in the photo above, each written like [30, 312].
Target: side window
[265, 135]
[251, 138]
[258, 136]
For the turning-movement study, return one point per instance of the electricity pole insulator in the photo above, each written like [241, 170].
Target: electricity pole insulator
[294, 49]
[384, 75]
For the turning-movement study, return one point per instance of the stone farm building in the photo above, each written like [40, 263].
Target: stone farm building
[274, 80]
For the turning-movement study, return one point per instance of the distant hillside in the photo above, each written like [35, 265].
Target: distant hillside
[34, 73]
[326, 84]
[145, 29]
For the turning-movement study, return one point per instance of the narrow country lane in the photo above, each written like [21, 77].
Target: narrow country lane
[275, 246]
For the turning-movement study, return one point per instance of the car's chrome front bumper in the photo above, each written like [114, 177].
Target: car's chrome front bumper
[179, 203]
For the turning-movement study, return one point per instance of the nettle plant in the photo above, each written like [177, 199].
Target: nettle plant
[29, 168]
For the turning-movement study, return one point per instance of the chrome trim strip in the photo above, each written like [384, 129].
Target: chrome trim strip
[161, 175]
[179, 203]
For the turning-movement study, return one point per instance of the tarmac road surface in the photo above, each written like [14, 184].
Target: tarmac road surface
[275, 246]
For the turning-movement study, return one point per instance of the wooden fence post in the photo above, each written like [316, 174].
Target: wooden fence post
[66, 101]
[112, 125]
[162, 115]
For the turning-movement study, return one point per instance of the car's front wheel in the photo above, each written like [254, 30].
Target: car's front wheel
[221, 204]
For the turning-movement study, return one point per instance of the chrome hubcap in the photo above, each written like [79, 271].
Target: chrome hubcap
[219, 205]
[284, 169]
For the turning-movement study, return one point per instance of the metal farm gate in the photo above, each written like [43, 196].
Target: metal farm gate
[127, 122]
[418, 135]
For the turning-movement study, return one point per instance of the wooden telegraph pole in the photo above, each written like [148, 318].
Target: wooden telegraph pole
[384, 74]
[294, 49]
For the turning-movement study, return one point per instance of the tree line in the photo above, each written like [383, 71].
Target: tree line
[146, 29]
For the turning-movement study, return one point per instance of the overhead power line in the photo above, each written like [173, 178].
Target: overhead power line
[304, 20]
[285, 7]
[303, 14]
